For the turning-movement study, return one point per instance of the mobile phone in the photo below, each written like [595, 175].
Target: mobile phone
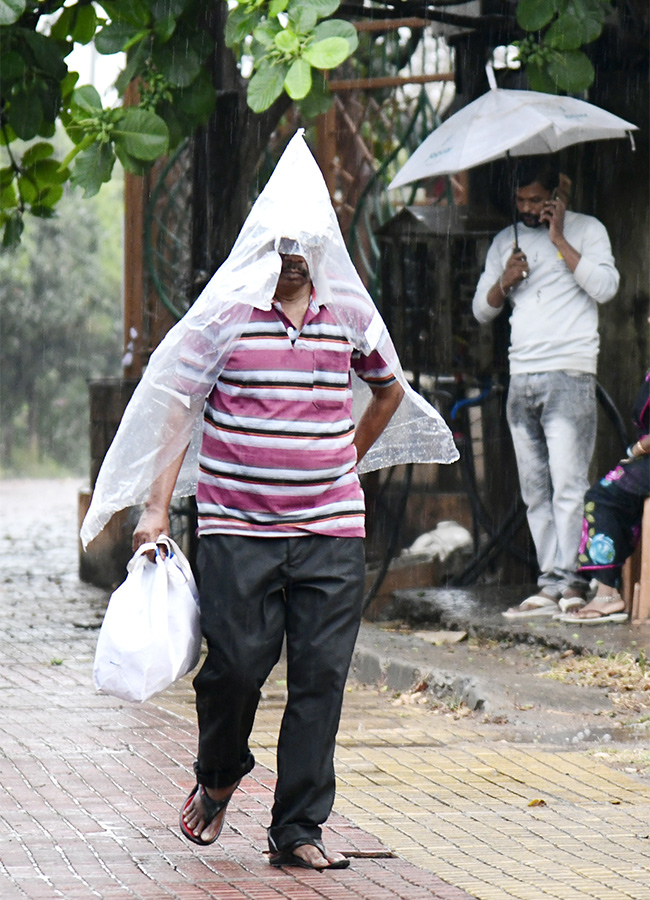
[555, 193]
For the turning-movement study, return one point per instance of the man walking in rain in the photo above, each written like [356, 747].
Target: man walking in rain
[268, 355]
[553, 282]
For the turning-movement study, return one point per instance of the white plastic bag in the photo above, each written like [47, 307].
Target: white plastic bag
[151, 633]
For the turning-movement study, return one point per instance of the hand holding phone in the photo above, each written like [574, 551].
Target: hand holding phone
[553, 210]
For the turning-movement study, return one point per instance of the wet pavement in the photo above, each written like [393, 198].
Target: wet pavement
[462, 770]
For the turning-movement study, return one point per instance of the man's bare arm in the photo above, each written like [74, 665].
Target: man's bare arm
[376, 417]
[154, 520]
[155, 516]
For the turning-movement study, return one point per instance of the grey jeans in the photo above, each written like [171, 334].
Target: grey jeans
[552, 419]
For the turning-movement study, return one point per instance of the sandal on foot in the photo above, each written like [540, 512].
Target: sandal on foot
[570, 604]
[537, 605]
[211, 809]
[609, 609]
[287, 857]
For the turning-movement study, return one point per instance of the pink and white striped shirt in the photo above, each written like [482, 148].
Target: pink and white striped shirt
[277, 457]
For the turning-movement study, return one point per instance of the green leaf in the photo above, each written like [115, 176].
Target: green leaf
[47, 55]
[539, 79]
[38, 151]
[7, 175]
[265, 32]
[277, 6]
[12, 68]
[569, 32]
[265, 87]
[164, 28]
[200, 43]
[28, 190]
[135, 65]
[322, 8]
[13, 230]
[133, 12]
[303, 18]
[197, 101]
[240, 23]
[74, 131]
[287, 41]
[338, 28]
[93, 168]
[165, 9]
[572, 71]
[532, 15]
[49, 197]
[179, 125]
[25, 113]
[298, 80]
[115, 37]
[328, 53]
[86, 101]
[43, 211]
[47, 130]
[8, 197]
[85, 25]
[68, 84]
[142, 133]
[11, 11]
[180, 66]
[7, 135]
[64, 24]
[46, 172]
[130, 163]
[50, 96]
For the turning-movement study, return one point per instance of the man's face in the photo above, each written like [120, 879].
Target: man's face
[294, 271]
[530, 201]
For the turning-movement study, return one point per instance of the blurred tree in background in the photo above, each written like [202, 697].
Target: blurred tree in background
[60, 324]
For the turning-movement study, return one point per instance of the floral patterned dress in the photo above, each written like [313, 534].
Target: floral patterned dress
[614, 507]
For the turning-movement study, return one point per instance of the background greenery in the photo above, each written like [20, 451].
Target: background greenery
[60, 324]
[177, 64]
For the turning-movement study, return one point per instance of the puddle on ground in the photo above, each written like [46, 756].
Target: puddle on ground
[609, 734]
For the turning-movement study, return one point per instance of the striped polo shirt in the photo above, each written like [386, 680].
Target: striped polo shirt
[277, 457]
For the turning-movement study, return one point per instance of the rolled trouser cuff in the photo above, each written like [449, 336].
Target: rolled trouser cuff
[215, 780]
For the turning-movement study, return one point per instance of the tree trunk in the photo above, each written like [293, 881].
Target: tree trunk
[225, 156]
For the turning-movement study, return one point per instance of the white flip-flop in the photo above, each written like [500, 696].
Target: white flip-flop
[600, 618]
[535, 605]
[568, 605]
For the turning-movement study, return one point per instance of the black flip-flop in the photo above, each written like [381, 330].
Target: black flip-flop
[211, 809]
[287, 857]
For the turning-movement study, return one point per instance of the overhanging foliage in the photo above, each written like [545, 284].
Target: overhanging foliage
[285, 45]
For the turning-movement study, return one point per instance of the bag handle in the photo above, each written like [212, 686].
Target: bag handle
[174, 551]
[139, 553]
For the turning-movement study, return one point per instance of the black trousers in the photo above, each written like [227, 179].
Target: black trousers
[254, 591]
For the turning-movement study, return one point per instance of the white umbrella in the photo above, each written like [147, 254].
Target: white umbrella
[506, 122]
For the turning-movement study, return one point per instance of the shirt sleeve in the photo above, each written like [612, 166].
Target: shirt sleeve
[373, 369]
[493, 270]
[196, 368]
[596, 272]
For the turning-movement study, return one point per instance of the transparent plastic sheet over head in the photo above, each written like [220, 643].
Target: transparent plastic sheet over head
[162, 419]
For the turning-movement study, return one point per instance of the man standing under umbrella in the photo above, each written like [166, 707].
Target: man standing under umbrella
[553, 280]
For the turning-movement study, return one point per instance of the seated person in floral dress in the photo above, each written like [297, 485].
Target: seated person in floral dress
[612, 523]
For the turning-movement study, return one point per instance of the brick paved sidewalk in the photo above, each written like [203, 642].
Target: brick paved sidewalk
[90, 787]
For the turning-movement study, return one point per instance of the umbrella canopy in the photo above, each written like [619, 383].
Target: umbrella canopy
[507, 122]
